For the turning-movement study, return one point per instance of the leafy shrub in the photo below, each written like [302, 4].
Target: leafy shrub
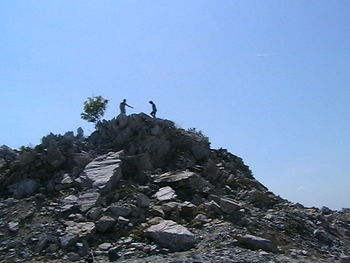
[94, 108]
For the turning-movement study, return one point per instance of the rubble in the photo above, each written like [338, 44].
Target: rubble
[139, 189]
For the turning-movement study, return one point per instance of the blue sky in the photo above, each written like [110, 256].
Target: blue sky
[268, 80]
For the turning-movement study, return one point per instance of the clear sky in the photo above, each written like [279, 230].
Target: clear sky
[268, 80]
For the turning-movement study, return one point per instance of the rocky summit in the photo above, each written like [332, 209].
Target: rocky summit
[140, 189]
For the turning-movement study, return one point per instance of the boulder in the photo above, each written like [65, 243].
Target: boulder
[94, 213]
[323, 237]
[105, 223]
[104, 172]
[117, 210]
[171, 235]
[83, 229]
[229, 206]
[184, 179]
[142, 200]
[345, 259]
[187, 210]
[87, 200]
[166, 194]
[68, 240]
[256, 243]
[13, 226]
[26, 187]
[81, 159]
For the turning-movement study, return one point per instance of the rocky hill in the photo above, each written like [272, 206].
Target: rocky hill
[140, 189]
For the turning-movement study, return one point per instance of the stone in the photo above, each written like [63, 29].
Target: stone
[67, 180]
[70, 199]
[171, 235]
[170, 207]
[142, 201]
[71, 256]
[120, 210]
[26, 187]
[187, 210]
[82, 229]
[105, 223]
[166, 194]
[104, 172]
[104, 246]
[81, 159]
[13, 226]
[345, 259]
[256, 243]
[229, 206]
[157, 211]
[42, 244]
[82, 248]
[123, 221]
[200, 220]
[323, 236]
[94, 213]
[113, 254]
[88, 200]
[68, 240]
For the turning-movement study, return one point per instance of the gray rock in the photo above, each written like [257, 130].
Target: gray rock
[187, 210]
[170, 206]
[104, 246]
[113, 253]
[88, 200]
[68, 240]
[166, 194]
[71, 256]
[255, 243]
[345, 259]
[67, 180]
[157, 211]
[26, 187]
[105, 223]
[94, 213]
[120, 210]
[83, 229]
[229, 206]
[142, 201]
[323, 236]
[185, 179]
[104, 172]
[70, 200]
[81, 159]
[171, 235]
[13, 226]
[123, 220]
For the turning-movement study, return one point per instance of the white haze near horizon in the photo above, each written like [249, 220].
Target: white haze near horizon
[267, 80]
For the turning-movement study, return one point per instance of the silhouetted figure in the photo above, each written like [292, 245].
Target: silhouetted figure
[154, 109]
[122, 107]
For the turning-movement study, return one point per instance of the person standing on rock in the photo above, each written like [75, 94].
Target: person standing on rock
[154, 109]
[122, 106]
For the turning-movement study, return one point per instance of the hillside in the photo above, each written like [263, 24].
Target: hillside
[140, 189]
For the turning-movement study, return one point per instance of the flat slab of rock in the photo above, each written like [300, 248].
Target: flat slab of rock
[83, 229]
[256, 243]
[104, 172]
[171, 235]
[185, 179]
[229, 206]
[87, 200]
[165, 194]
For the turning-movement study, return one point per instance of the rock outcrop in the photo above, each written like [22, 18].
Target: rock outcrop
[140, 187]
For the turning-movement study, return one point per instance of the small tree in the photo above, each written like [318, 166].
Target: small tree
[94, 108]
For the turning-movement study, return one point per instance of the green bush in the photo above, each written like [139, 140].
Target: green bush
[94, 108]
